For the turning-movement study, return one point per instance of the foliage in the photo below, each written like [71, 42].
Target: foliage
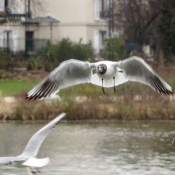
[138, 19]
[114, 49]
[34, 63]
[4, 59]
[95, 108]
[53, 54]
[131, 101]
[167, 29]
[67, 49]
[9, 60]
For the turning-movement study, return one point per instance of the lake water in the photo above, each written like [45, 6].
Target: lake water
[96, 148]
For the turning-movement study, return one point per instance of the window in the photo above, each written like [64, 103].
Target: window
[2, 5]
[29, 41]
[9, 6]
[8, 33]
[99, 9]
[102, 36]
[7, 39]
[102, 9]
[99, 37]
[96, 41]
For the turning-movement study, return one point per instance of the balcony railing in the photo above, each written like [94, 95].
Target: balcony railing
[5, 17]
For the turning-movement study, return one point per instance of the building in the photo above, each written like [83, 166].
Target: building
[30, 24]
[11, 35]
[80, 20]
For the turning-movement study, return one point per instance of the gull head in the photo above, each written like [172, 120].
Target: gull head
[102, 68]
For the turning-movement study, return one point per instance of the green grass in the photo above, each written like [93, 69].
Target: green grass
[12, 87]
[15, 87]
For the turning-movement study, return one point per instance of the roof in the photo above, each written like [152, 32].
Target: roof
[47, 19]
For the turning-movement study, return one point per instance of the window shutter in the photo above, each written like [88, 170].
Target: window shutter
[2, 5]
[96, 41]
[5, 39]
[97, 9]
[15, 41]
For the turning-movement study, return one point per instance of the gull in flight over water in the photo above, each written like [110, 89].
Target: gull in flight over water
[107, 74]
[28, 157]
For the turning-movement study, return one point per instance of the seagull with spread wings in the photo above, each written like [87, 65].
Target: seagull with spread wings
[107, 74]
[28, 157]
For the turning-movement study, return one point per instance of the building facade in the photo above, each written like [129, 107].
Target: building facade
[30, 24]
[80, 20]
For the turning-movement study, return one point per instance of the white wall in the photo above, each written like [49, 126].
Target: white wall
[76, 18]
[17, 37]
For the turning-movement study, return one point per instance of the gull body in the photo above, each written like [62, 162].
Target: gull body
[110, 70]
[107, 74]
[28, 157]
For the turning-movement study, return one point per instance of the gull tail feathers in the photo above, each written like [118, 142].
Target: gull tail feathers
[95, 79]
[120, 78]
[37, 163]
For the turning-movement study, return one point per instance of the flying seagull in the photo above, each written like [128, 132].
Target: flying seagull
[28, 157]
[107, 74]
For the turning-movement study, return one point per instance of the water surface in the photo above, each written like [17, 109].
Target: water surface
[96, 148]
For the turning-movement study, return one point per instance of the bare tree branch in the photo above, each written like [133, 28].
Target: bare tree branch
[137, 18]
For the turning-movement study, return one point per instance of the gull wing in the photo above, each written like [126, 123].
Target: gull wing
[35, 142]
[136, 69]
[37, 163]
[6, 160]
[68, 73]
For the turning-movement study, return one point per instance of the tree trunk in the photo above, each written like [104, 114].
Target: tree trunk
[159, 56]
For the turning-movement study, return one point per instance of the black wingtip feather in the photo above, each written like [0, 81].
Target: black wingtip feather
[157, 84]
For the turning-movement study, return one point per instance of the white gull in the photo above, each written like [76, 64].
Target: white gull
[28, 157]
[107, 74]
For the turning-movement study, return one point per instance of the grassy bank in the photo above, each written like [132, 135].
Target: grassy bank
[132, 101]
[120, 108]
[13, 87]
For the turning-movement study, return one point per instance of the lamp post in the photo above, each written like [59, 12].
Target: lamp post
[110, 17]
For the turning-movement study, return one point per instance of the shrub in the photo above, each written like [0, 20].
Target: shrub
[4, 59]
[113, 49]
[34, 63]
[67, 49]
[53, 54]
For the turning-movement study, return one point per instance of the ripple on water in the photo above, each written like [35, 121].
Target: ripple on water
[123, 148]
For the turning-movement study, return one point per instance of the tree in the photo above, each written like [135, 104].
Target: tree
[32, 7]
[138, 19]
[166, 28]
[37, 6]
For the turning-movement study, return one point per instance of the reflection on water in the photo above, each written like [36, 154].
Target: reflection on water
[120, 148]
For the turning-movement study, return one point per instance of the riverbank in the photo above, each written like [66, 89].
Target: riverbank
[131, 101]
[88, 108]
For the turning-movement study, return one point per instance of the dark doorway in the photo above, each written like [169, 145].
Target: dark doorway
[8, 39]
[6, 3]
[29, 41]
